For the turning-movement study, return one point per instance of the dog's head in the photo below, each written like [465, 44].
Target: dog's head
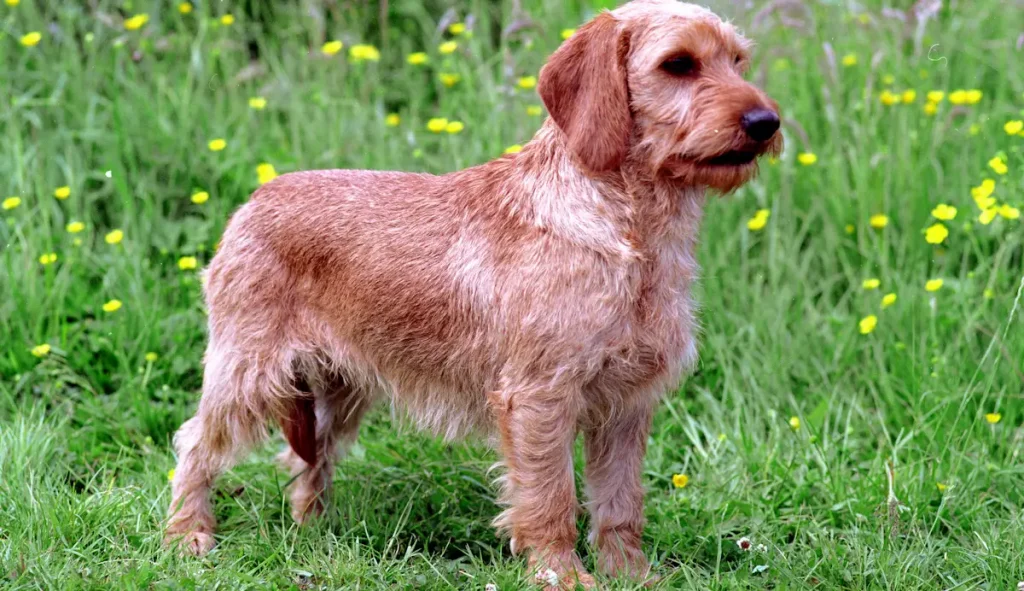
[661, 81]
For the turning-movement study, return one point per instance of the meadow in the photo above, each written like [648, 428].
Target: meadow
[856, 411]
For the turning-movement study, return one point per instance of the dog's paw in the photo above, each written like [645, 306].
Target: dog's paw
[561, 572]
[195, 543]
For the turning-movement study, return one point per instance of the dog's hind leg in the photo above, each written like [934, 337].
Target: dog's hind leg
[318, 429]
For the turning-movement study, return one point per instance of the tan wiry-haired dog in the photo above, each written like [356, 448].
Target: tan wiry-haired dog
[533, 297]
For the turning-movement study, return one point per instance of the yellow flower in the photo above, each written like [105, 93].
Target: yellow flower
[850, 229]
[888, 98]
[361, 53]
[527, 82]
[850, 59]
[62, 192]
[794, 423]
[1014, 127]
[227, 20]
[151, 357]
[200, 197]
[454, 127]
[514, 149]
[973, 97]
[993, 418]
[437, 124]
[1009, 212]
[417, 59]
[534, 110]
[112, 306]
[931, 108]
[909, 96]
[265, 173]
[114, 237]
[936, 234]
[13, 2]
[888, 300]
[448, 47]
[11, 203]
[449, 79]
[998, 165]
[982, 191]
[392, 120]
[988, 294]
[170, 475]
[868, 323]
[941, 487]
[806, 158]
[31, 39]
[872, 283]
[566, 33]
[136, 22]
[75, 227]
[331, 47]
[257, 102]
[936, 96]
[41, 350]
[48, 258]
[185, 7]
[187, 263]
[933, 285]
[879, 220]
[958, 97]
[680, 480]
[457, 28]
[760, 219]
[944, 212]
[216, 145]
[988, 214]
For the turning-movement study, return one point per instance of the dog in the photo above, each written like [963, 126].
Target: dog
[531, 298]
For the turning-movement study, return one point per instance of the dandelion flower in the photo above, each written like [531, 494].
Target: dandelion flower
[200, 198]
[392, 120]
[944, 212]
[993, 418]
[257, 103]
[437, 124]
[760, 219]
[933, 285]
[879, 221]
[265, 173]
[227, 20]
[417, 59]
[889, 98]
[364, 53]
[48, 258]
[941, 487]
[454, 127]
[448, 47]
[31, 39]
[41, 350]
[566, 33]
[868, 324]
[151, 357]
[935, 96]
[457, 28]
[534, 110]
[1013, 127]
[931, 108]
[331, 47]
[807, 158]
[936, 234]
[449, 79]
[112, 306]
[136, 22]
[216, 145]
[62, 192]
[187, 263]
[680, 480]
[514, 149]
[11, 203]
[114, 237]
[185, 7]
[871, 283]
[850, 59]
[1009, 212]
[888, 300]
[527, 82]
[794, 423]
[998, 165]
[74, 227]
[909, 96]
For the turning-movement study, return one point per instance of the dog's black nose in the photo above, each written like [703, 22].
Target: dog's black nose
[760, 124]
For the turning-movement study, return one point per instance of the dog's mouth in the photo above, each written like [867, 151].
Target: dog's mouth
[732, 158]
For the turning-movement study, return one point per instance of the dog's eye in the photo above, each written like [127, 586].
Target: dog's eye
[682, 65]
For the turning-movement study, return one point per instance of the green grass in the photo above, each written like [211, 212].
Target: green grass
[85, 430]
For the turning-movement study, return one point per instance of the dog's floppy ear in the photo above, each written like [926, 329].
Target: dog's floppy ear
[584, 88]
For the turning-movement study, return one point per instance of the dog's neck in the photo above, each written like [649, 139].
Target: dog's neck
[620, 212]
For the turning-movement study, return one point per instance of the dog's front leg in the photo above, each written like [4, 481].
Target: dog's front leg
[537, 429]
